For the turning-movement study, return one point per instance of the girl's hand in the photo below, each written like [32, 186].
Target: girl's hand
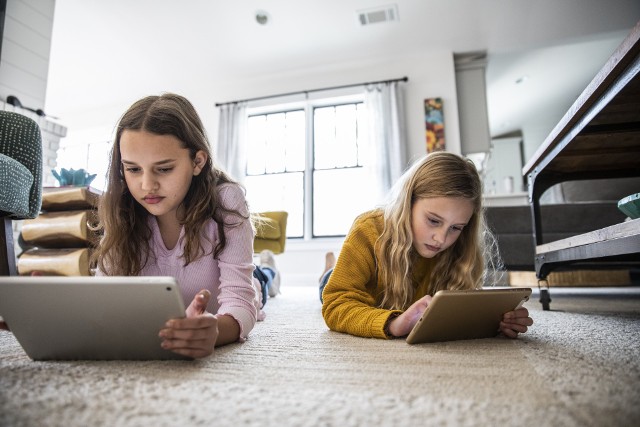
[404, 323]
[195, 335]
[515, 322]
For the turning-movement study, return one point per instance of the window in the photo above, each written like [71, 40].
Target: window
[310, 161]
[276, 165]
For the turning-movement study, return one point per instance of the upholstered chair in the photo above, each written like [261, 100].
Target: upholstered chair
[20, 180]
[271, 231]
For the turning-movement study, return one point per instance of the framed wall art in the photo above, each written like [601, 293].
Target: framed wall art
[434, 123]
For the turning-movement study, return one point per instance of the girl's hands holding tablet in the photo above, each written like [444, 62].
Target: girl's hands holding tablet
[196, 334]
[404, 323]
[515, 322]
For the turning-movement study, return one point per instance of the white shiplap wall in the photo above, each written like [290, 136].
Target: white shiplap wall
[26, 45]
[24, 68]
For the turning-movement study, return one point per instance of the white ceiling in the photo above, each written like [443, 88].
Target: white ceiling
[104, 51]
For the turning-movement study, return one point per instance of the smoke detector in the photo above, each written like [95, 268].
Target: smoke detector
[262, 17]
[377, 15]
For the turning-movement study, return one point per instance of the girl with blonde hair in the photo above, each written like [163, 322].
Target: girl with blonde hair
[430, 236]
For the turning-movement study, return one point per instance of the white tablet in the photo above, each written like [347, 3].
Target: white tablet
[90, 318]
[472, 314]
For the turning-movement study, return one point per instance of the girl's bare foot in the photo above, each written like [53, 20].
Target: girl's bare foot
[329, 263]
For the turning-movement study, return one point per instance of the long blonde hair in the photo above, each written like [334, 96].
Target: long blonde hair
[461, 266]
[124, 247]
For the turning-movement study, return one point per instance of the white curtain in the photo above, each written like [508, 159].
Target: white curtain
[231, 149]
[385, 115]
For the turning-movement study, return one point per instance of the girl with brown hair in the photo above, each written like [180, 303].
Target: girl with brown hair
[168, 211]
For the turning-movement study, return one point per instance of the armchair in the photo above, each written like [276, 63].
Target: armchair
[271, 231]
[20, 180]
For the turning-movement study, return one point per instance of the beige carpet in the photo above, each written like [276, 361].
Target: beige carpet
[580, 365]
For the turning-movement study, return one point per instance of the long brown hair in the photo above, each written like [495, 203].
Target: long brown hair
[461, 266]
[124, 247]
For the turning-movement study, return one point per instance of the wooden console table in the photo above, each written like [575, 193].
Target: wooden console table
[598, 138]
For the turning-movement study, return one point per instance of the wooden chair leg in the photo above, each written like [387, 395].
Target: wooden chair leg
[7, 249]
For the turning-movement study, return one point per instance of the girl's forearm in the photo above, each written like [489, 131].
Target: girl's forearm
[228, 330]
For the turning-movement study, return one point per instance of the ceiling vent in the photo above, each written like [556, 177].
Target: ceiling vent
[379, 14]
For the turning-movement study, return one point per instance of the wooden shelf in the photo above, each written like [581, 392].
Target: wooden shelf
[614, 232]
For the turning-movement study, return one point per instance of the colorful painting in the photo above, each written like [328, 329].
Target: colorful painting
[434, 122]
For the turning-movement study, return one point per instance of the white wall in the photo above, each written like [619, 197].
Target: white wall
[504, 163]
[26, 44]
[24, 67]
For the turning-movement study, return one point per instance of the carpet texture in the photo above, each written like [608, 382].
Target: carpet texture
[578, 366]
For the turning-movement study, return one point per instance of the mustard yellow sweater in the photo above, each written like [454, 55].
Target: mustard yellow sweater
[353, 294]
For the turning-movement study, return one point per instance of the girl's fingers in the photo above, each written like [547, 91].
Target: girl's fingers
[509, 333]
[193, 337]
[516, 314]
[189, 349]
[518, 328]
[516, 322]
[513, 327]
[199, 304]
[520, 317]
[196, 328]
[177, 344]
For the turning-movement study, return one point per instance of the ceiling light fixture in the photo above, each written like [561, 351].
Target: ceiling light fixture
[262, 17]
[522, 79]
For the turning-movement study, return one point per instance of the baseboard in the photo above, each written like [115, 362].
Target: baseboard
[579, 278]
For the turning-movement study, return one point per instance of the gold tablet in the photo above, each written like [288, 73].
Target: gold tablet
[463, 315]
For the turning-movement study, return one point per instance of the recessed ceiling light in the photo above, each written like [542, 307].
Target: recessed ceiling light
[262, 17]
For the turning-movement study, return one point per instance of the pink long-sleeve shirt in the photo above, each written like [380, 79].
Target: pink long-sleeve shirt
[229, 277]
